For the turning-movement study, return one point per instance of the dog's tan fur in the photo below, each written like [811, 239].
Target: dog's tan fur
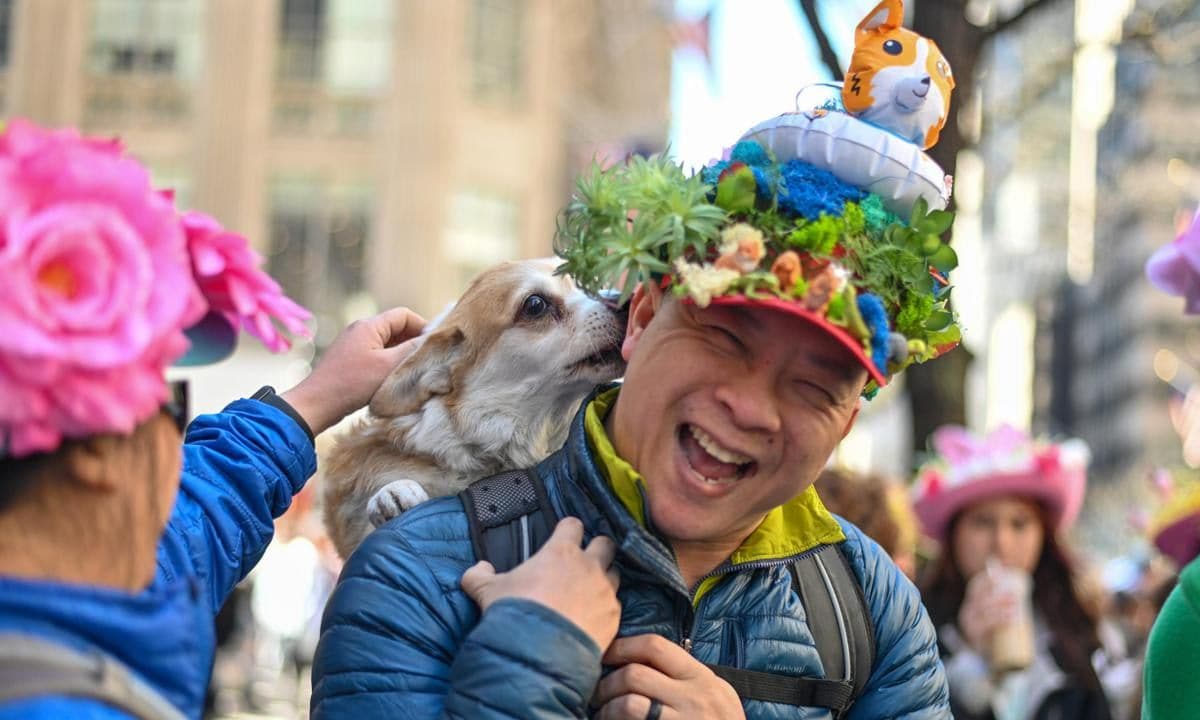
[489, 389]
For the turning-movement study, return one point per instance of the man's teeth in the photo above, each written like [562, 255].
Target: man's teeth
[712, 448]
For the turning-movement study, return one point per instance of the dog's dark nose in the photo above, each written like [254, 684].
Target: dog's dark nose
[925, 80]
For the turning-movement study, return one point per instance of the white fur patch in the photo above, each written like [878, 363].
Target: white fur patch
[394, 499]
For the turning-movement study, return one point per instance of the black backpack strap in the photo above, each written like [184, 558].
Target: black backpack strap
[837, 614]
[509, 517]
[841, 625]
[789, 690]
[31, 667]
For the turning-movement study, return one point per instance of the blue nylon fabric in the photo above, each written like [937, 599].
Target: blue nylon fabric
[241, 468]
[400, 640]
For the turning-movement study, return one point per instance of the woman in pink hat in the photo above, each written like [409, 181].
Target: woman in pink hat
[117, 548]
[1018, 638]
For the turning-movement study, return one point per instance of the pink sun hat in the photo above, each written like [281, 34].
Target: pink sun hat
[968, 468]
[103, 280]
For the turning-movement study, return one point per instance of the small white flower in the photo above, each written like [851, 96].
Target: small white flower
[743, 238]
[704, 282]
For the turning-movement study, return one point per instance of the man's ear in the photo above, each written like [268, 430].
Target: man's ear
[428, 372]
[643, 306]
[853, 416]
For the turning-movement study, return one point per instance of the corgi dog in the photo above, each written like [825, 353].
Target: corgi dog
[897, 79]
[492, 387]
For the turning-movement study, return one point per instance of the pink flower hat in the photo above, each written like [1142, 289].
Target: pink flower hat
[102, 279]
[969, 468]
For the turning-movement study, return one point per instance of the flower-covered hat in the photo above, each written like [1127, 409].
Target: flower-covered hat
[821, 214]
[104, 282]
[968, 468]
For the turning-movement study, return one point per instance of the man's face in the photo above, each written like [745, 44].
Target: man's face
[728, 412]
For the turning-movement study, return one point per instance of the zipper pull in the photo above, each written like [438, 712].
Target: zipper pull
[686, 643]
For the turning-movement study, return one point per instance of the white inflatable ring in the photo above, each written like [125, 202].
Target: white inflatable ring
[859, 153]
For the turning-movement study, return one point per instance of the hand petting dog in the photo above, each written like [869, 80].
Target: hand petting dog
[354, 367]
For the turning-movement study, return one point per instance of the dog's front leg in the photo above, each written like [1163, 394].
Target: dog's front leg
[393, 499]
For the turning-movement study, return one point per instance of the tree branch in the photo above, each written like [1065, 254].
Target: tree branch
[828, 56]
[1011, 21]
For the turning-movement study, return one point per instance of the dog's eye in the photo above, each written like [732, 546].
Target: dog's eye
[534, 307]
[893, 47]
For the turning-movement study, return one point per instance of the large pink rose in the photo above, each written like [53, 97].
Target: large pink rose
[229, 274]
[97, 289]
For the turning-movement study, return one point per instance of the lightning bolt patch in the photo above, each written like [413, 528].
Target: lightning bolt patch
[854, 84]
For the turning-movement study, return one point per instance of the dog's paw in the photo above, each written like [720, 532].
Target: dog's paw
[393, 499]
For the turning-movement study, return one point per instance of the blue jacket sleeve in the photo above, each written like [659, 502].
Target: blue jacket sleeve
[907, 680]
[241, 468]
[401, 640]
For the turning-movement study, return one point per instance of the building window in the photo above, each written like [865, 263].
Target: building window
[482, 229]
[146, 37]
[335, 58]
[319, 236]
[143, 59]
[496, 42]
[5, 26]
[301, 39]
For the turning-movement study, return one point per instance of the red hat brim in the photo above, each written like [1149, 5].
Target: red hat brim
[795, 309]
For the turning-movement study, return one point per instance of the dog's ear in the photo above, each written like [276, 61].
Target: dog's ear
[426, 373]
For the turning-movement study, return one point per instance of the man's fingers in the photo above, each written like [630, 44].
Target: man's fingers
[603, 549]
[634, 679]
[614, 578]
[476, 578]
[654, 651]
[568, 531]
[399, 324]
[397, 353]
[631, 707]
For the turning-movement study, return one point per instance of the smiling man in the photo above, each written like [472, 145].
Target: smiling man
[766, 298]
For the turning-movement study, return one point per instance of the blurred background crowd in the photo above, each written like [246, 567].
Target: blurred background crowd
[382, 152]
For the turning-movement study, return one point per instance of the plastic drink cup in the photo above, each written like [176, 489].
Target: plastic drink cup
[1013, 644]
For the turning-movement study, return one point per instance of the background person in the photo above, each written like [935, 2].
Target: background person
[999, 506]
[117, 548]
[877, 505]
[1172, 662]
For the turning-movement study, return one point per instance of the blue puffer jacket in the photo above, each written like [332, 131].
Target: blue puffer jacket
[240, 470]
[401, 640]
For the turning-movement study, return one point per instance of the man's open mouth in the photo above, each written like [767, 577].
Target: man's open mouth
[710, 460]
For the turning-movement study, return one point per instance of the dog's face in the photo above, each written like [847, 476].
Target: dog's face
[519, 332]
[896, 72]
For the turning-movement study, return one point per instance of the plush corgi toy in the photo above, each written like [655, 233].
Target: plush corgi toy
[897, 79]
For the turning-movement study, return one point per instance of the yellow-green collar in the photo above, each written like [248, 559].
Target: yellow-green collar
[800, 524]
